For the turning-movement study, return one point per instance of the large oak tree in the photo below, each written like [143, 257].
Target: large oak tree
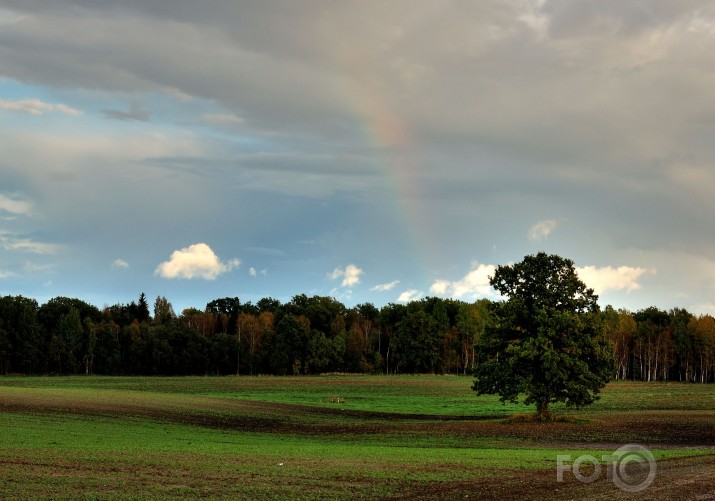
[545, 341]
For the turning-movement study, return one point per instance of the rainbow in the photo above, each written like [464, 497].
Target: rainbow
[390, 140]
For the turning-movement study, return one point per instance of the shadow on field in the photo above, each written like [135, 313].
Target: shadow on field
[223, 413]
[665, 428]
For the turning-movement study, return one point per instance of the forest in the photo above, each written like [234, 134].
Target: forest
[314, 335]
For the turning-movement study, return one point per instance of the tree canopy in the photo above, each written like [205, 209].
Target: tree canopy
[544, 341]
[312, 335]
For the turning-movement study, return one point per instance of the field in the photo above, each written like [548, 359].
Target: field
[336, 437]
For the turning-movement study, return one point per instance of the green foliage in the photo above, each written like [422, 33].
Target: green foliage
[70, 336]
[142, 314]
[163, 310]
[433, 335]
[545, 342]
[20, 337]
[416, 341]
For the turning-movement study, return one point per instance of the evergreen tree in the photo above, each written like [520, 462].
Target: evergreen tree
[143, 309]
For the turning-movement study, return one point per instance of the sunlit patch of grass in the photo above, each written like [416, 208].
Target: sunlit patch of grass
[442, 395]
[639, 396]
[439, 395]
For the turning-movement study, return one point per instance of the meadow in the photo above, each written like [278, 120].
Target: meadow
[335, 437]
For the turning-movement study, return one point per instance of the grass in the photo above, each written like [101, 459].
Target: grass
[447, 395]
[282, 438]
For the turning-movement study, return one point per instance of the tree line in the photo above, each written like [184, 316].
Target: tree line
[654, 345]
[313, 335]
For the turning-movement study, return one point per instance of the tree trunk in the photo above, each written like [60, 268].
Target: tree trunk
[542, 409]
[465, 351]
[387, 358]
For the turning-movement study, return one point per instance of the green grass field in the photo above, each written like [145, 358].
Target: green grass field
[333, 437]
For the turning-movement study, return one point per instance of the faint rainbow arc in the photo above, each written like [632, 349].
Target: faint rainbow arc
[391, 142]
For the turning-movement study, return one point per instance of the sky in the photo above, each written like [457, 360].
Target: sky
[373, 151]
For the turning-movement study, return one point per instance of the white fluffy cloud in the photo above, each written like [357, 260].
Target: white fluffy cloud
[254, 272]
[350, 275]
[409, 295]
[610, 278]
[474, 284]
[37, 108]
[385, 287]
[120, 264]
[541, 230]
[195, 261]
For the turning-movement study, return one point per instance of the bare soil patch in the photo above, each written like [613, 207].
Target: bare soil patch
[690, 478]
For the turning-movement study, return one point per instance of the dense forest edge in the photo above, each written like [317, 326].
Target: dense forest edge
[313, 335]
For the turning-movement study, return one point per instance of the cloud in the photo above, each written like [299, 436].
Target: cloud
[36, 107]
[570, 119]
[218, 119]
[541, 230]
[350, 275]
[28, 245]
[120, 263]
[610, 278]
[474, 284]
[254, 272]
[14, 204]
[195, 261]
[14, 243]
[409, 296]
[385, 287]
[135, 113]
[6, 274]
